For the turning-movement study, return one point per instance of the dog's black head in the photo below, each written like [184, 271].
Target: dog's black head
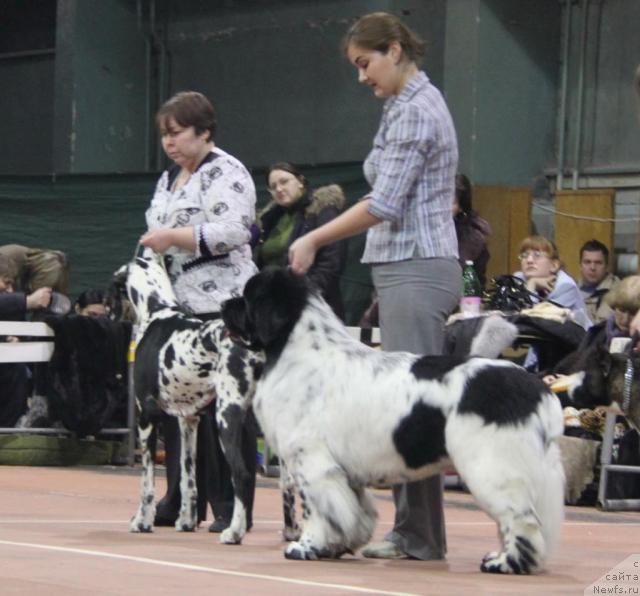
[271, 305]
[593, 390]
[604, 382]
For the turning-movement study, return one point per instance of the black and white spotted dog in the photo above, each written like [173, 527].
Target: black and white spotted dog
[343, 416]
[182, 364]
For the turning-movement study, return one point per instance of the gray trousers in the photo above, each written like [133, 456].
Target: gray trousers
[416, 297]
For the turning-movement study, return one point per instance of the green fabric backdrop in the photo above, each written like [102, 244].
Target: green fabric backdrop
[97, 221]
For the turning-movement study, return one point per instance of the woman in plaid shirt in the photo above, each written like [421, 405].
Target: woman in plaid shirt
[411, 239]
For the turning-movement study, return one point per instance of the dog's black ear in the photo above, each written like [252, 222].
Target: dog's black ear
[234, 315]
[605, 360]
[134, 296]
[154, 303]
[276, 298]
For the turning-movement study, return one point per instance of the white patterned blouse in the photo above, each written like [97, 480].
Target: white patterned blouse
[219, 201]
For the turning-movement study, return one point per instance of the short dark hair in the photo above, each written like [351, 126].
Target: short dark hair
[90, 296]
[378, 30]
[189, 108]
[594, 245]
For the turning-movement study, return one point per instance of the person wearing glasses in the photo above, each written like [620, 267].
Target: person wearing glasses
[294, 211]
[541, 270]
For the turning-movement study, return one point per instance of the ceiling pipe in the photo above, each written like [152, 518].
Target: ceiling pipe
[580, 100]
[564, 75]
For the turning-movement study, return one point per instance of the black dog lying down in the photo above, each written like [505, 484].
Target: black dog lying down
[182, 364]
[343, 416]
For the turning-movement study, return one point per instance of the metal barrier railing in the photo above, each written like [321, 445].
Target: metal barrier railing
[41, 351]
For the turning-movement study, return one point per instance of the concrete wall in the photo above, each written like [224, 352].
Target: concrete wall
[100, 88]
[501, 76]
[608, 127]
[283, 91]
[275, 72]
[27, 59]
[27, 116]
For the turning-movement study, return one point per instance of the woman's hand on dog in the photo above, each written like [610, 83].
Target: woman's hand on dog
[161, 239]
[302, 254]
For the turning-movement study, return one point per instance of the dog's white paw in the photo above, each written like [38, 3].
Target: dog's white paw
[139, 526]
[185, 524]
[297, 552]
[229, 536]
[496, 563]
[290, 534]
[142, 521]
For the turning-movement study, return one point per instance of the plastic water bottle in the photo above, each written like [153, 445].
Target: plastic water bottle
[471, 291]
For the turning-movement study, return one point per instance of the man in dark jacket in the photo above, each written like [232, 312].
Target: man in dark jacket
[15, 377]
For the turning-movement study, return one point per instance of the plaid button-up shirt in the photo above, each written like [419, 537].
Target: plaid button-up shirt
[411, 170]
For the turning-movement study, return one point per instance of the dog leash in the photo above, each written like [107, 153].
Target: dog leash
[139, 252]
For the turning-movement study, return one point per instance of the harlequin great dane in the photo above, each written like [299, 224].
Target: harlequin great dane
[343, 416]
[182, 364]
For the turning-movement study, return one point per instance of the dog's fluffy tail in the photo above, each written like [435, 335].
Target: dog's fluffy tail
[549, 499]
[495, 335]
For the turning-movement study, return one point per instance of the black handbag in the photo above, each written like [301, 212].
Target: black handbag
[509, 294]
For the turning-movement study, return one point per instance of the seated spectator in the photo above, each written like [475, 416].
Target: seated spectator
[472, 231]
[37, 268]
[545, 279]
[15, 378]
[15, 305]
[624, 302]
[596, 280]
[294, 211]
[624, 299]
[91, 303]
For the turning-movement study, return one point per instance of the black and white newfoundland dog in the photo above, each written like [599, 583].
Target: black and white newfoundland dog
[343, 416]
[182, 365]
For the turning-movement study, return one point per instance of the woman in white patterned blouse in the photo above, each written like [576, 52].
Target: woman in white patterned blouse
[200, 219]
